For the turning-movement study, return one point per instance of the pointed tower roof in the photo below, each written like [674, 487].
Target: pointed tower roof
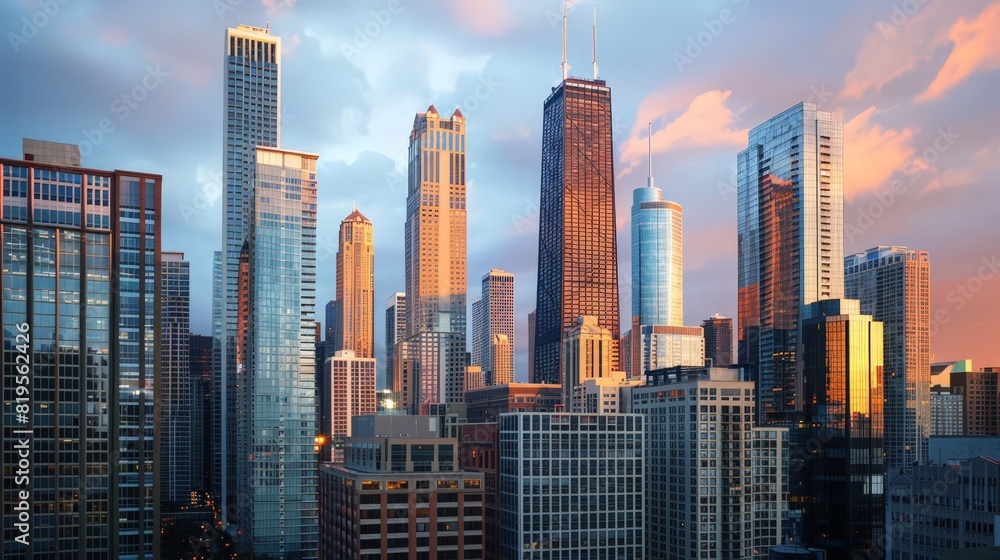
[432, 110]
[356, 216]
[458, 113]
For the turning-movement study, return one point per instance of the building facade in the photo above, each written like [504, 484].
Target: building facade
[400, 494]
[839, 480]
[662, 346]
[253, 118]
[980, 391]
[279, 518]
[587, 354]
[177, 403]
[790, 244]
[947, 412]
[395, 330]
[702, 444]
[348, 391]
[354, 307]
[571, 486]
[493, 316]
[435, 267]
[718, 340]
[894, 287]
[480, 448]
[657, 258]
[204, 423]
[81, 310]
[577, 241]
[488, 403]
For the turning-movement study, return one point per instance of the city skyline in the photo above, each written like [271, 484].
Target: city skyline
[942, 156]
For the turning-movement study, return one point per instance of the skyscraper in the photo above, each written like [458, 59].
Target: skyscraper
[252, 113]
[587, 354]
[200, 350]
[790, 244]
[839, 477]
[348, 391]
[718, 340]
[657, 258]
[82, 320]
[280, 519]
[355, 304]
[747, 496]
[435, 256]
[177, 403]
[893, 285]
[531, 345]
[395, 330]
[577, 243]
[492, 315]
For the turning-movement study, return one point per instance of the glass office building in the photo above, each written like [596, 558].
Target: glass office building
[252, 118]
[577, 241]
[790, 244]
[657, 259]
[838, 479]
[81, 267]
[279, 518]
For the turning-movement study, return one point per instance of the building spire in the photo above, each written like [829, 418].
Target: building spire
[595, 39]
[649, 154]
[564, 66]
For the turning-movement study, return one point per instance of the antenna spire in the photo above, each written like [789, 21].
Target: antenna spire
[649, 154]
[564, 66]
[595, 39]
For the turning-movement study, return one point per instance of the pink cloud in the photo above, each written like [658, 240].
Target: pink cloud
[952, 178]
[290, 45]
[873, 153]
[483, 17]
[977, 49]
[705, 122]
[273, 7]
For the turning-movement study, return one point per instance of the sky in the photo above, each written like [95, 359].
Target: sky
[139, 86]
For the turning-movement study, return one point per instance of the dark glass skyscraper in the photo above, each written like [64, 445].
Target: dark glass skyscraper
[577, 242]
[790, 244]
[177, 405]
[838, 475]
[81, 270]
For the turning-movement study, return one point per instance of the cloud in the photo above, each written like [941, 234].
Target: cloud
[444, 67]
[873, 153]
[276, 7]
[483, 17]
[977, 49]
[952, 178]
[114, 37]
[290, 45]
[705, 122]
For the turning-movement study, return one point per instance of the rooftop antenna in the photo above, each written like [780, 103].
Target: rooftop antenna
[649, 156]
[564, 66]
[595, 40]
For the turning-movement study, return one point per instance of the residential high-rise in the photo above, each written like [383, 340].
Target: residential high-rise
[200, 350]
[492, 315]
[839, 477]
[221, 468]
[400, 493]
[280, 519]
[501, 360]
[577, 241]
[348, 391]
[704, 454]
[662, 346]
[657, 257]
[252, 118]
[356, 287]
[981, 400]
[435, 267]
[81, 306]
[894, 287]
[479, 446]
[571, 484]
[790, 244]
[177, 402]
[947, 411]
[718, 340]
[395, 330]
